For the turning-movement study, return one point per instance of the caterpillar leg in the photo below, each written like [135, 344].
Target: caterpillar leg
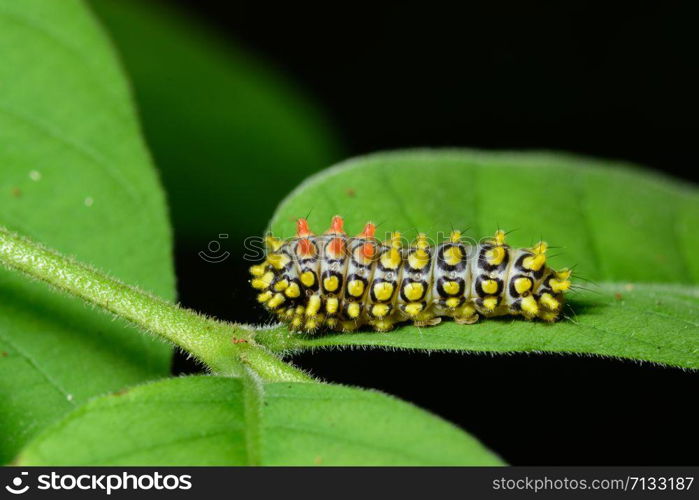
[466, 315]
[427, 319]
[313, 323]
[348, 326]
[428, 322]
[383, 325]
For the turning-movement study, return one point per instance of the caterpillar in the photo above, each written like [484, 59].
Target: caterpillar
[335, 282]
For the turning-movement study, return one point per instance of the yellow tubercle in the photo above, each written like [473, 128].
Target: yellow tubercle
[540, 248]
[453, 255]
[382, 325]
[314, 322]
[499, 237]
[313, 305]
[549, 316]
[455, 236]
[495, 255]
[281, 285]
[380, 310]
[534, 262]
[391, 259]
[529, 306]
[273, 243]
[263, 282]
[331, 283]
[293, 291]
[561, 282]
[421, 242]
[451, 287]
[331, 305]
[413, 309]
[549, 302]
[489, 286]
[353, 310]
[355, 288]
[278, 260]
[452, 302]
[257, 270]
[414, 291]
[523, 285]
[383, 290]
[308, 278]
[264, 297]
[559, 286]
[564, 274]
[277, 300]
[490, 303]
[418, 259]
[395, 241]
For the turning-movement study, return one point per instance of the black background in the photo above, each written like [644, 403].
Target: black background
[610, 80]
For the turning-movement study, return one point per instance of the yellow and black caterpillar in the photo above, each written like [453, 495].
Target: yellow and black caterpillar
[341, 283]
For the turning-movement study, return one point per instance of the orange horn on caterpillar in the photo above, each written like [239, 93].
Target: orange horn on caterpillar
[302, 229]
[336, 226]
[369, 231]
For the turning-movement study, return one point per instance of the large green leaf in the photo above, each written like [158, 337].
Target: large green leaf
[615, 223]
[225, 421]
[216, 119]
[74, 175]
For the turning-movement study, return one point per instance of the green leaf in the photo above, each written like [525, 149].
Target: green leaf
[616, 223]
[226, 421]
[76, 176]
[216, 119]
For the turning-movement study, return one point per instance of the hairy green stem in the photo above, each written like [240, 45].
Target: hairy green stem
[226, 348]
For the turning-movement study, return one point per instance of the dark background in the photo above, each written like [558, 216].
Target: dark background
[610, 80]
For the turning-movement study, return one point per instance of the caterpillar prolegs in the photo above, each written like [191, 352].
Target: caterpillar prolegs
[337, 282]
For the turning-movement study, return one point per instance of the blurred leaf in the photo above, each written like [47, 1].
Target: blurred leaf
[614, 222]
[75, 176]
[230, 136]
[221, 422]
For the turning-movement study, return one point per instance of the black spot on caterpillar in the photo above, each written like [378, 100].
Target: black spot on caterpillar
[337, 282]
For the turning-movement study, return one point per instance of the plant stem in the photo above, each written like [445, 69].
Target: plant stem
[226, 348]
